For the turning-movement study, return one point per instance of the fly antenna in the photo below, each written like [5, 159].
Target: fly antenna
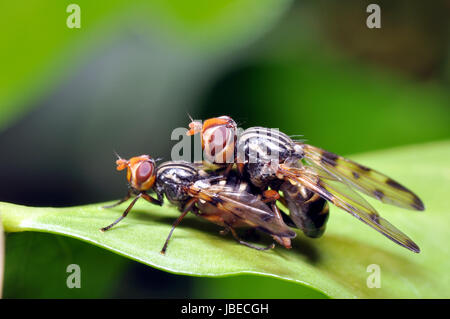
[117, 155]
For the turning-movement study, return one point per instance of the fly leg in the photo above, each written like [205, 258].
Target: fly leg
[240, 241]
[125, 213]
[127, 197]
[186, 210]
[284, 241]
[195, 211]
[271, 197]
[283, 201]
[228, 169]
[152, 200]
[240, 168]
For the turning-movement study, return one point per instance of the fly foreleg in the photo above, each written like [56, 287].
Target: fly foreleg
[127, 197]
[125, 213]
[186, 210]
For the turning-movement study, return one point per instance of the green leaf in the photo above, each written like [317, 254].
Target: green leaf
[335, 264]
[2, 256]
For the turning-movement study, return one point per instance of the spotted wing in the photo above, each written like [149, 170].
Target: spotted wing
[248, 207]
[364, 179]
[344, 197]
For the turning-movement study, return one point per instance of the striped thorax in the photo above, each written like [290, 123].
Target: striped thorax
[262, 149]
[173, 177]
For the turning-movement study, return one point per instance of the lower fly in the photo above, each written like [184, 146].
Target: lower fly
[225, 201]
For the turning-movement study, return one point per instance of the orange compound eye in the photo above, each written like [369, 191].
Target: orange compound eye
[218, 136]
[142, 172]
[219, 139]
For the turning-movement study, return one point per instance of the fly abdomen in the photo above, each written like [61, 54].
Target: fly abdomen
[308, 210]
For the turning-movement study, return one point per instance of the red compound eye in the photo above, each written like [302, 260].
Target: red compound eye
[219, 137]
[144, 172]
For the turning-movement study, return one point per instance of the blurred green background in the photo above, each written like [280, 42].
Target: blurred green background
[134, 70]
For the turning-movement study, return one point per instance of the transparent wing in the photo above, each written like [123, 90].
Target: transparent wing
[344, 197]
[364, 179]
[247, 207]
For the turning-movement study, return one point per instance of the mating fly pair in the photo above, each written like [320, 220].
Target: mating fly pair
[307, 176]
[252, 169]
[224, 200]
